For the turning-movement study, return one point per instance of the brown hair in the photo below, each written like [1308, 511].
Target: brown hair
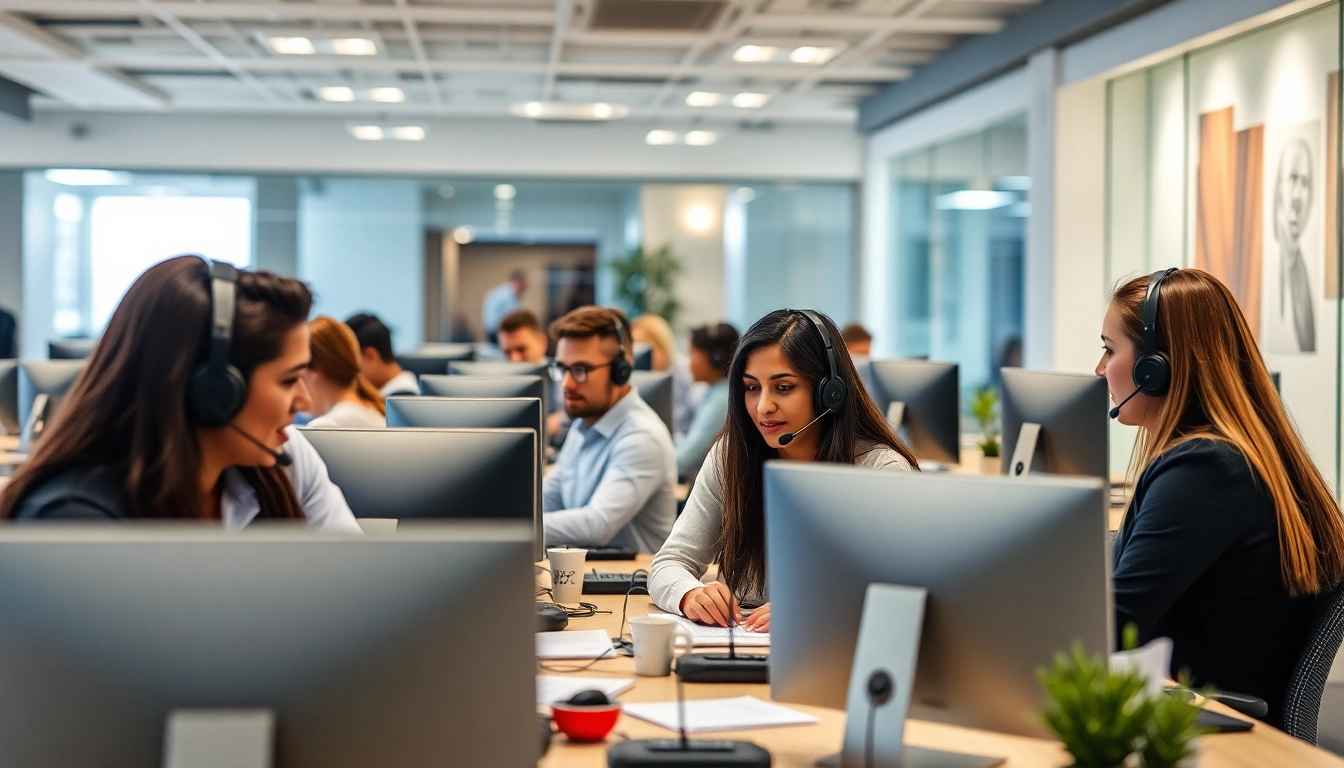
[855, 332]
[1221, 390]
[740, 551]
[592, 320]
[336, 357]
[128, 408]
[519, 319]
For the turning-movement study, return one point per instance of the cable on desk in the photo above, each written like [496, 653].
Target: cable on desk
[620, 643]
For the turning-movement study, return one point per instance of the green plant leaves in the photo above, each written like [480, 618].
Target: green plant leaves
[646, 282]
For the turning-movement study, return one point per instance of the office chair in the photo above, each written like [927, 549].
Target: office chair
[1302, 706]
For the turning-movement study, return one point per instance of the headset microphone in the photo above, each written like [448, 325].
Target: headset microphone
[281, 458]
[1115, 412]
[787, 438]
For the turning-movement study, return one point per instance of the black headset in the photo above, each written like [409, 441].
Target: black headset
[621, 367]
[715, 351]
[1152, 371]
[217, 390]
[829, 394]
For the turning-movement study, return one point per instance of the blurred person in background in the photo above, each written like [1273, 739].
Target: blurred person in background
[341, 396]
[653, 330]
[501, 300]
[376, 361]
[712, 348]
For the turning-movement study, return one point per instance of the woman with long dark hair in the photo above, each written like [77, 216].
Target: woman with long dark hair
[778, 409]
[1232, 530]
[169, 420]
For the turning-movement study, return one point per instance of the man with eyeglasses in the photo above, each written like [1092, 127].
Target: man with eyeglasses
[614, 482]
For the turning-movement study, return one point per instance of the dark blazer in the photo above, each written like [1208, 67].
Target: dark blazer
[81, 492]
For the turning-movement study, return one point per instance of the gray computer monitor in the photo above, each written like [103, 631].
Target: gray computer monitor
[498, 368]
[42, 388]
[448, 349]
[410, 474]
[478, 413]
[1016, 571]
[408, 650]
[922, 399]
[70, 349]
[10, 423]
[1069, 411]
[656, 390]
[643, 357]
[483, 386]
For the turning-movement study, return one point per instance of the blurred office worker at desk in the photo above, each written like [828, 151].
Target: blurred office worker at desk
[341, 396]
[1232, 534]
[185, 412]
[712, 348]
[521, 337]
[614, 482]
[501, 300]
[377, 363]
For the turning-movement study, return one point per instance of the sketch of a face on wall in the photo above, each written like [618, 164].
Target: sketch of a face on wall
[1292, 207]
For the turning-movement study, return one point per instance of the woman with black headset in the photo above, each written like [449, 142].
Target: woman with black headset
[1232, 530]
[791, 398]
[712, 349]
[184, 410]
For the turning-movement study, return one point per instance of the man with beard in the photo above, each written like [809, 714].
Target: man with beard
[614, 482]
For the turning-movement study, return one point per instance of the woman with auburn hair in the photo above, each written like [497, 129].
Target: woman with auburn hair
[341, 396]
[653, 330]
[1232, 531]
[184, 410]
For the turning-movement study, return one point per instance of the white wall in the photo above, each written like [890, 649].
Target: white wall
[463, 146]
[700, 287]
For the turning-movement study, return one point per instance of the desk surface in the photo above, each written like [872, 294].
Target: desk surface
[799, 747]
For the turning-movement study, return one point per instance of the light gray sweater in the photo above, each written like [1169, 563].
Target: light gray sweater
[688, 552]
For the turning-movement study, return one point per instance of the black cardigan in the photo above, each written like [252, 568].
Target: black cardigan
[1197, 560]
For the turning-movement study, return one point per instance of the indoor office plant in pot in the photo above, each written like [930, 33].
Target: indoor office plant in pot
[1101, 716]
[985, 409]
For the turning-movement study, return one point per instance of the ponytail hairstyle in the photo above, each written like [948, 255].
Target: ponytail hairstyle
[335, 352]
[128, 408]
[1221, 390]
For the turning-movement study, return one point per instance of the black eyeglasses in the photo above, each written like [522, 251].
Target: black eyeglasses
[578, 370]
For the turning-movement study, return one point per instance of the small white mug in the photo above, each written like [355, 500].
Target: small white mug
[656, 644]
[567, 574]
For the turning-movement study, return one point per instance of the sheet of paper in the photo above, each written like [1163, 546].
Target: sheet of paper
[711, 637]
[581, 644]
[710, 715]
[1153, 661]
[553, 688]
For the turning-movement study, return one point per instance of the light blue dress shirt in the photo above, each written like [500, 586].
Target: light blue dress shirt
[324, 505]
[709, 419]
[500, 301]
[614, 482]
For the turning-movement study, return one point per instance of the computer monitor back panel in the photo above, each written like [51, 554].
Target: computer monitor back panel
[10, 422]
[498, 368]
[656, 390]
[1016, 571]
[931, 393]
[47, 377]
[432, 473]
[70, 349]
[484, 386]
[1071, 409]
[403, 651]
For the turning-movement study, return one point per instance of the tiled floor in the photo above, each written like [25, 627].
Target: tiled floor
[1330, 728]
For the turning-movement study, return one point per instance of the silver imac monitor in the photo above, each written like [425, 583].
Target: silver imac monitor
[416, 474]
[42, 388]
[656, 390]
[922, 400]
[401, 651]
[477, 413]
[498, 368]
[70, 349]
[1015, 571]
[10, 423]
[483, 386]
[1055, 423]
[433, 361]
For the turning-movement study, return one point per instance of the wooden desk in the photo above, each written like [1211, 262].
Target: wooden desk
[799, 747]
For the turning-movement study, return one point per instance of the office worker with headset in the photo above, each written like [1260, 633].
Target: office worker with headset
[1232, 531]
[791, 398]
[184, 410]
[712, 348]
[614, 481]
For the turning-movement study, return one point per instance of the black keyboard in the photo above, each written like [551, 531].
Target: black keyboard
[611, 553]
[595, 583]
[692, 745]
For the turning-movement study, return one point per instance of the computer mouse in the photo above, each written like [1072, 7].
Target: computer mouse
[589, 699]
[551, 617]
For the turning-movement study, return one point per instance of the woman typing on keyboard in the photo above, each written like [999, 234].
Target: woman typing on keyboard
[794, 394]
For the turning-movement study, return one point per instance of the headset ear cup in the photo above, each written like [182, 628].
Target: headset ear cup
[621, 371]
[830, 395]
[215, 398]
[1152, 373]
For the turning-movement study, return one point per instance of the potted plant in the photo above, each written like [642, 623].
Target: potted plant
[1171, 739]
[646, 282]
[985, 409]
[1101, 716]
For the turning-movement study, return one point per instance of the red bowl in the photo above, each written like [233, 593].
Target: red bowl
[585, 723]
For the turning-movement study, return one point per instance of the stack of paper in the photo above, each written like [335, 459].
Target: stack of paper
[711, 637]
[581, 644]
[553, 688]
[709, 715]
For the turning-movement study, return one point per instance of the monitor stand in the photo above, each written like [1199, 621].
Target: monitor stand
[896, 414]
[887, 650]
[37, 419]
[1028, 439]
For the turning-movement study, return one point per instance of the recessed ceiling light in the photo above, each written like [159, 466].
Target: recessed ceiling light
[505, 192]
[661, 138]
[567, 110]
[809, 55]
[388, 95]
[702, 99]
[336, 93]
[755, 53]
[750, 100]
[602, 111]
[292, 46]
[408, 133]
[87, 177]
[367, 132]
[532, 109]
[701, 138]
[354, 46]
